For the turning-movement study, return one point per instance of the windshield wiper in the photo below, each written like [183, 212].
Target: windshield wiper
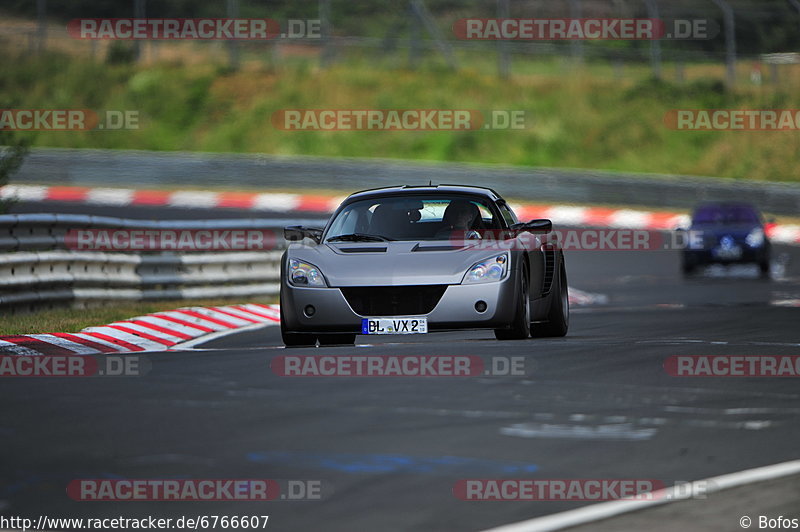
[359, 237]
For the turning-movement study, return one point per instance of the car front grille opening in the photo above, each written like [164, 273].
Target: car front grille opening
[410, 300]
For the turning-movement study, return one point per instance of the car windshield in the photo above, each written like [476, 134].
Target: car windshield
[725, 214]
[412, 217]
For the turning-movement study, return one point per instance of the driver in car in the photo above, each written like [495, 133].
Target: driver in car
[461, 216]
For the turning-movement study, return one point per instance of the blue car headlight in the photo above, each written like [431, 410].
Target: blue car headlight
[304, 274]
[755, 239]
[488, 270]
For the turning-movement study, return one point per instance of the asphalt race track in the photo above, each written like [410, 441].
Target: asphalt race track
[596, 404]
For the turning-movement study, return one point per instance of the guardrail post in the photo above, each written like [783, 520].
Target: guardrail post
[502, 46]
[427, 20]
[655, 44]
[730, 40]
[575, 11]
[415, 47]
[795, 4]
[138, 12]
[326, 57]
[232, 9]
[41, 25]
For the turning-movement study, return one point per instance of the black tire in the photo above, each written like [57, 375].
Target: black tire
[292, 339]
[298, 339]
[521, 324]
[764, 269]
[337, 339]
[558, 316]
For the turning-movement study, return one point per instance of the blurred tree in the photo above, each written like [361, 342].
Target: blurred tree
[13, 150]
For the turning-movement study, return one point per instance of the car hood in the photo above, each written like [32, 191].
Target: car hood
[718, 230]
[391, 263]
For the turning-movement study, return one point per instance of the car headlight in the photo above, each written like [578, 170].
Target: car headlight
[756, 238]
[304, 274]
[488, 270]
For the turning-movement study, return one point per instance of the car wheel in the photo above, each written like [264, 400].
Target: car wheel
[337, 339]
[764, 268]
[292, 339]
[521, 324]
[558, 315]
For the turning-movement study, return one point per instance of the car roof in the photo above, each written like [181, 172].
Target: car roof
[725, 205]
[425, 189]
[726, 212]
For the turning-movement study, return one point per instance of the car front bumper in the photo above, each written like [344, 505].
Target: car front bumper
[708, 256]
[455, 309]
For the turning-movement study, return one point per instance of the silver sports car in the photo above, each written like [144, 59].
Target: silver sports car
[417, 259]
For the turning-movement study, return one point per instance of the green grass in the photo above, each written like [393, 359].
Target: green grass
[581, 118]
[68, 320]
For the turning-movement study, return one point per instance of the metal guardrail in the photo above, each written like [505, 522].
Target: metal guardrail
[26, 232]
[37, 269]
[106, 168]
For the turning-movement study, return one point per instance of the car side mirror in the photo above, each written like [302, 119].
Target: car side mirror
[296, 233]
[538, 226]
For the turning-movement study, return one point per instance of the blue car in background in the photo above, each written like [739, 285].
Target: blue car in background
[727, 233]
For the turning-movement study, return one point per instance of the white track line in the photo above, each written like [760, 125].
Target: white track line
[189, 344]
[605, 510]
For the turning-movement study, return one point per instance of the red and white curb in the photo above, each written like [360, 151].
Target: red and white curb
[634, 219]
[314, 203]
[580, 298]
[269, 201]
[153, 332]
[181, 328]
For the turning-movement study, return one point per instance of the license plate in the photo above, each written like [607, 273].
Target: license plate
[410, 325]
[732, 252]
